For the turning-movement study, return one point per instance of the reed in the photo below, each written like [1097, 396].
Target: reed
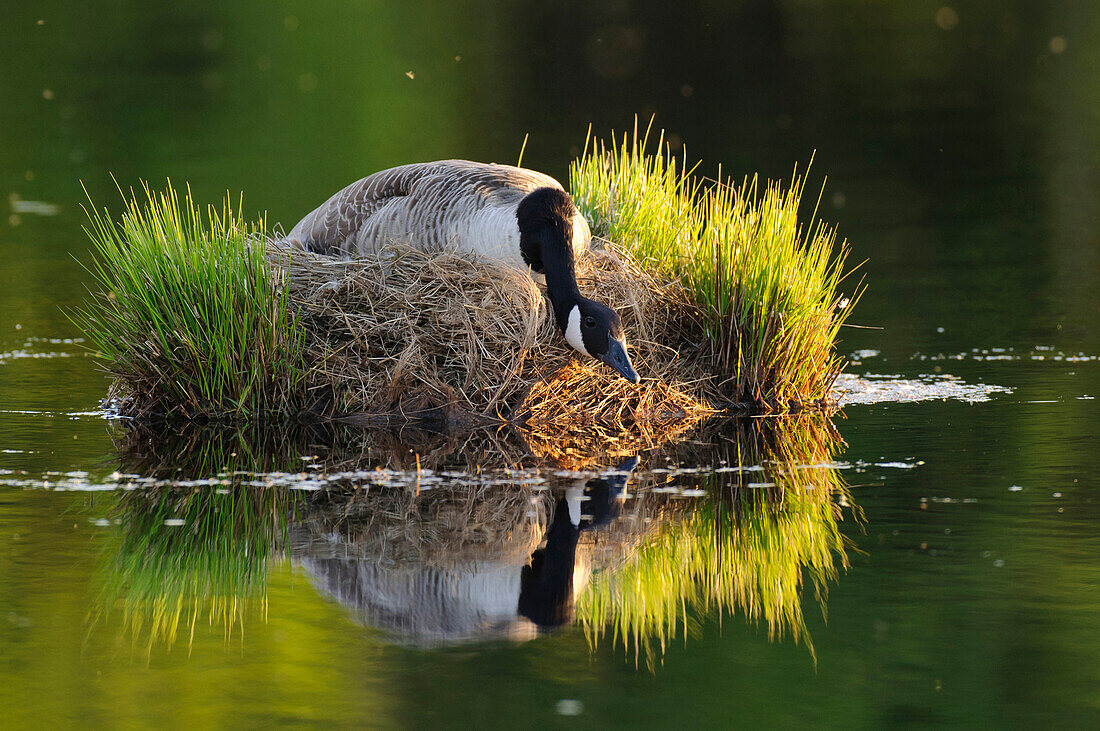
[767, 283]
[188, 317]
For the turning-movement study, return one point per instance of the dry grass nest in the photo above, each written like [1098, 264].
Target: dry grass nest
[452, 336]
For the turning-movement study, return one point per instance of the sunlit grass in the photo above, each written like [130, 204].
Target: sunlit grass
[747, 550]
[768, 284]
[190, 318]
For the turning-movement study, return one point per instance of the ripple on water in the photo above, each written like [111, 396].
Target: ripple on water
[1038, 353]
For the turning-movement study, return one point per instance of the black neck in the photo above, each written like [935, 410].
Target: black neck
[559, 266]
[546, 583]
[545, 218]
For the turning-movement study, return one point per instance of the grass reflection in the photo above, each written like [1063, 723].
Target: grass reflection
[191, 554]
[197, 529]
[750, 547]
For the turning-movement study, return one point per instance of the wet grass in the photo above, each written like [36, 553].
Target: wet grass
[768, 283]
[188, 316]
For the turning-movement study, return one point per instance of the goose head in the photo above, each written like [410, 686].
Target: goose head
[549, 225]
[596, 331]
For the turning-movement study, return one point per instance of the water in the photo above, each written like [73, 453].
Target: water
[963, 165]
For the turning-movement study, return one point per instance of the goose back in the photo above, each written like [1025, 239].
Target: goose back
[465, 205]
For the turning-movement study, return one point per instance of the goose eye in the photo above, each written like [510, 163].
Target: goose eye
[590, 321]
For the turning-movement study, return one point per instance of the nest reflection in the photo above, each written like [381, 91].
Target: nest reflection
[441, 553]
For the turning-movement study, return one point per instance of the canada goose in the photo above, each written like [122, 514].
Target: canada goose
[518, 217]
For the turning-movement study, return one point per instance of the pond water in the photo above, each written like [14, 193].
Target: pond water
[944, 523]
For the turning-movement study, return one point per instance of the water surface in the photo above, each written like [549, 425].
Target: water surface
[963, 162]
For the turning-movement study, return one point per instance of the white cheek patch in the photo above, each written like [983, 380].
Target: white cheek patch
[573, 331]
[573, 496]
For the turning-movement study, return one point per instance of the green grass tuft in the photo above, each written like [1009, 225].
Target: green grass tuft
[768, 286]
[190, 317]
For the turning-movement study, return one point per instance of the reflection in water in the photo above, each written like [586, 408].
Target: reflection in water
[196, 532]
[769, 520]
[187, 553]
[439, 566]
[458, 562]
[441, 555]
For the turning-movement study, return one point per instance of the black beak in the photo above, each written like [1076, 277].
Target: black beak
[617, 358]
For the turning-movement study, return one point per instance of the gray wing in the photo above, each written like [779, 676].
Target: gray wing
[330, 227]
[421, 203]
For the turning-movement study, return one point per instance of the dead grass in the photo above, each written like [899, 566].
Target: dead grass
[380, 343]
[443, 526]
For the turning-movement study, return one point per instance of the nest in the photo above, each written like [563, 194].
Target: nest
[450, 336]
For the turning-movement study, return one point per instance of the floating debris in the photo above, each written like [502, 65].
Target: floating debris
[21, 354]
[877, 389]
[31, 348]
[569, 707]
[859, 356]
[35, 208]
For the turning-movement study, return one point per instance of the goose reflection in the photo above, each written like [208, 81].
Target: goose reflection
[511, 594]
